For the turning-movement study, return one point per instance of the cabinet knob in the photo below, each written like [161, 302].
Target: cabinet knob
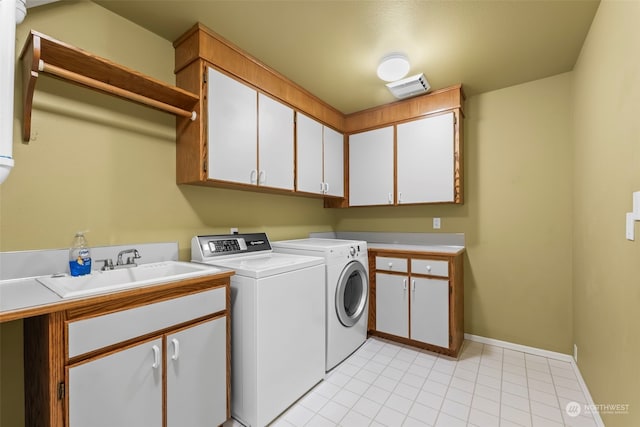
[429, 268]
[390, 264]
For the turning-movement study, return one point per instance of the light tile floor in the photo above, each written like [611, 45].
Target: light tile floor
[388, 384]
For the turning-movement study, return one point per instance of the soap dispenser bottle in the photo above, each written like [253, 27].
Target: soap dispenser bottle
[79, 256]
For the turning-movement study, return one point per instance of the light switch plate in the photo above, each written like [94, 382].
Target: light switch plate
[630, 226]
[636, 205]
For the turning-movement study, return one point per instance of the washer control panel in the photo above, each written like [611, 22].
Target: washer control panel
[211, 246]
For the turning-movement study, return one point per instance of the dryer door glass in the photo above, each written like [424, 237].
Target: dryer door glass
[351, 293]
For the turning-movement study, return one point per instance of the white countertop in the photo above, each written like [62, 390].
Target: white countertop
[19, 294]
[442, 249]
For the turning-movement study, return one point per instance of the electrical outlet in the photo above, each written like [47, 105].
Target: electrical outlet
[630, 232]
[636, 206]
[233, 230]
[436, 223]
[575, 352]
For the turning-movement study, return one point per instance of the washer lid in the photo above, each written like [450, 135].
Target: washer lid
[267, 264]
[317, 244]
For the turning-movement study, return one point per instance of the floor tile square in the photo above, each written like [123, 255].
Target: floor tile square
[389, 417]
[482, 419]
[333, 411]
[423, 413]
[355, 419]
[377, 394]
[455, 409]
[406, 391]
[398, 403]
[320, 421]
[346, 398]
[367, 407]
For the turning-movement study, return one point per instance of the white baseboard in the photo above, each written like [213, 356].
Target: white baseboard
[544, 353]
[519, 347]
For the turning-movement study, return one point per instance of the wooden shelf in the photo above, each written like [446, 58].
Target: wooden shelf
[43, 54]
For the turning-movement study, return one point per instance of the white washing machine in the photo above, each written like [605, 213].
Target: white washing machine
[347, 279]
[277, 323]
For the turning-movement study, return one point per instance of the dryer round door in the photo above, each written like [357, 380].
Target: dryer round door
[352, 292]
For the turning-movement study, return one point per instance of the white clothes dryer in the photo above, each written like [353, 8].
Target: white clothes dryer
[347, 291]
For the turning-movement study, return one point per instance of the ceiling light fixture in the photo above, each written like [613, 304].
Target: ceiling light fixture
[393, 67]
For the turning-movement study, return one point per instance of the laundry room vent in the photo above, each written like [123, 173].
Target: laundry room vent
[411, 86]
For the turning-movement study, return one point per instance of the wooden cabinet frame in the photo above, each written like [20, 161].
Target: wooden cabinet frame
[46, 343]
[201, 47]
[456, 297]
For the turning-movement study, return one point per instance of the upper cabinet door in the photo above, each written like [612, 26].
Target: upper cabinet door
[333, 163]
[371, 167]
[426, 160]
[309, 155]
[275, 144]
[232, 129]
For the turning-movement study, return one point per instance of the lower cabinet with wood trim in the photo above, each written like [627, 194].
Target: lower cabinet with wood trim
[155, 361]
[416, 298]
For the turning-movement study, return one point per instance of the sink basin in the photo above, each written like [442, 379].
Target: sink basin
[111, 280]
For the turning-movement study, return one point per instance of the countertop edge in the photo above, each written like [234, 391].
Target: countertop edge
[62, 304]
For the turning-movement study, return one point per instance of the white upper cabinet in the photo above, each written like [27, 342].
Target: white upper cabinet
[320, 154]
[371, 167]
[250, 135]
[232, 129]
[309, 154]
[333, 144]
[426, 160]
[275, 144]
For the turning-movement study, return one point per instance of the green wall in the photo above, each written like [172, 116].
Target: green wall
[516, 217]
[606, 267]
[108, 166]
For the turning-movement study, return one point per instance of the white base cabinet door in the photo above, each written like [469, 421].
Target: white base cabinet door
[121, 389]
[430, 311]
[392, 304]
[196, 373]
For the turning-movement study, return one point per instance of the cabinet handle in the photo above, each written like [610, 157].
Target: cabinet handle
[326, 188]
[413, 286]
[390, 199]
[404, 284]
[390, 265]
[156, 357]
[176, 349]
[262, 177]
[253, 176]
[399, 198]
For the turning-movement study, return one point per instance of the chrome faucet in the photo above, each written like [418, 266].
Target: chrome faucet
[131, 261]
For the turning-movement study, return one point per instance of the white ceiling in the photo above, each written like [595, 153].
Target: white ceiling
[332, 48]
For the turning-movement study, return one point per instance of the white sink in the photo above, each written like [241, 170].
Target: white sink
[111, 280]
